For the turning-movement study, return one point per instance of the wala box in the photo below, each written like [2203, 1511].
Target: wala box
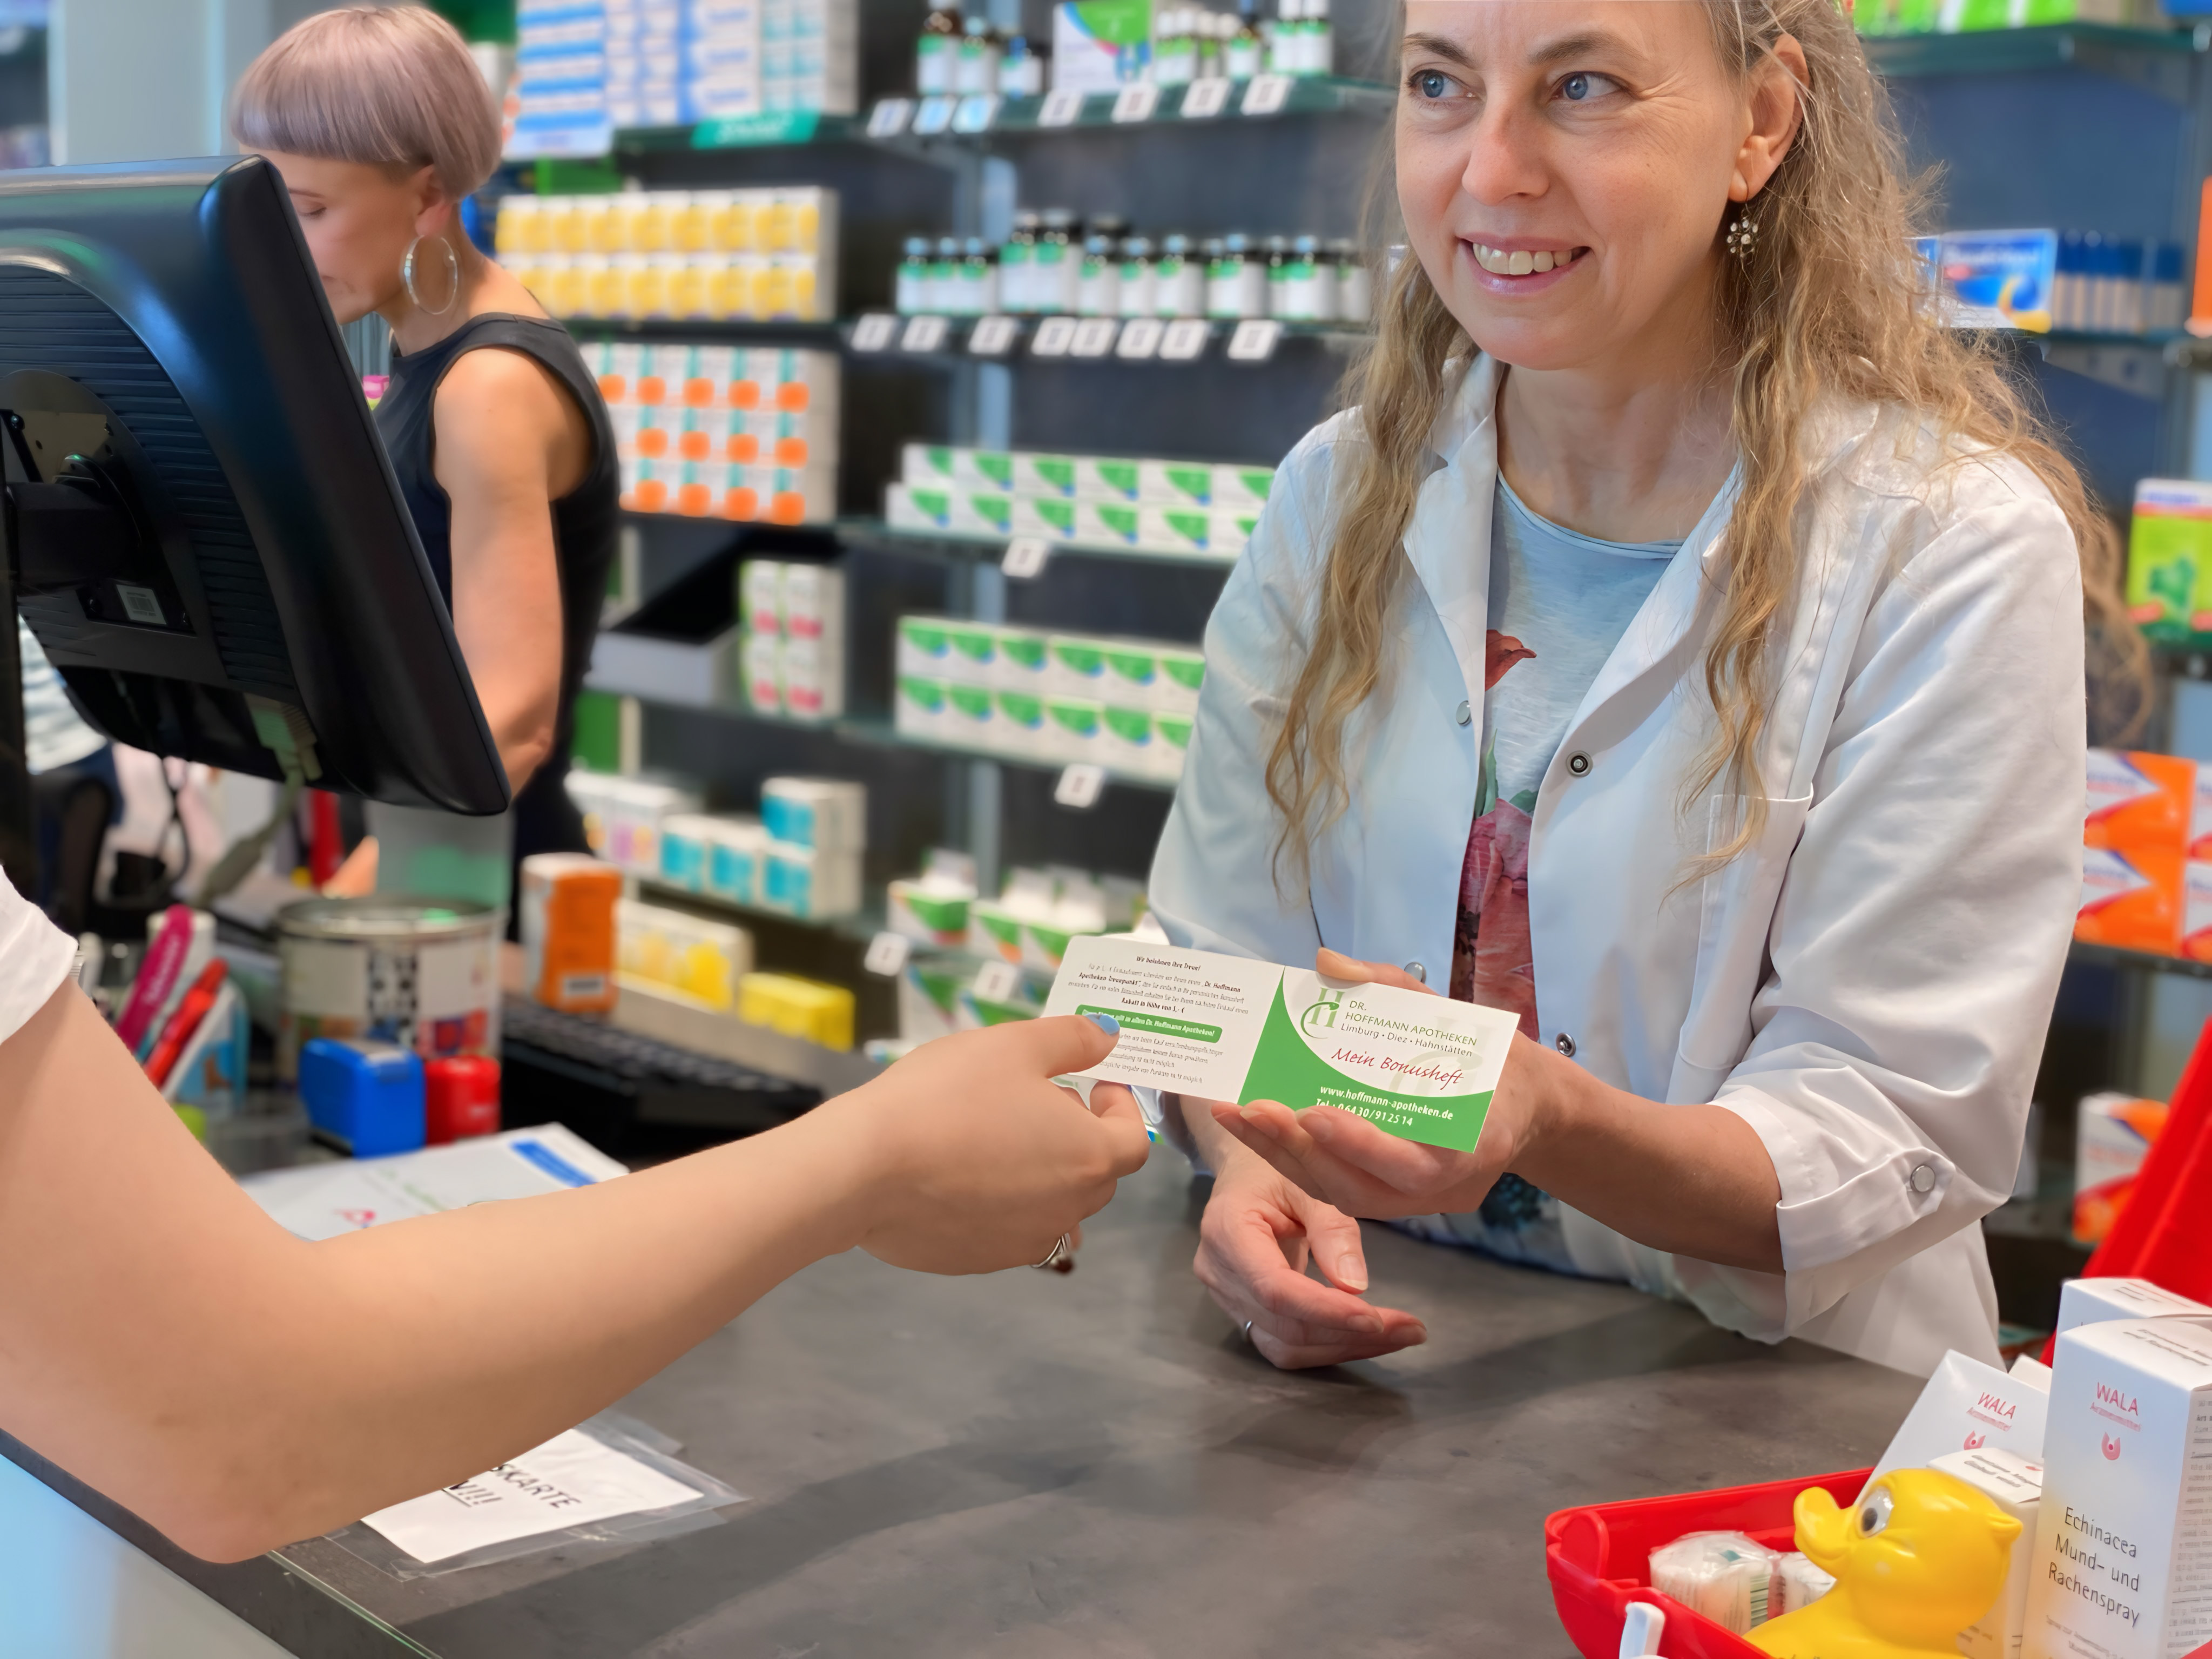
[2124, 1536]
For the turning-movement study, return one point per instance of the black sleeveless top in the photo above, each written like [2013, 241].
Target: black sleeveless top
[584, 524]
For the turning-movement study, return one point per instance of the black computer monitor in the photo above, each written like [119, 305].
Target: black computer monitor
[203, 528]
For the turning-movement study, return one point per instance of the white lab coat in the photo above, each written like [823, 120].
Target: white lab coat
[1868, 987]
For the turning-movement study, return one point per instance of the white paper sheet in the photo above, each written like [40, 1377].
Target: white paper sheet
[321, 1200]
[570, 1481]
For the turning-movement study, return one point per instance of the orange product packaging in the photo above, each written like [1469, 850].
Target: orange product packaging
[2131, 899]
[2138, 799]
[568, 927]
[2112, 1135]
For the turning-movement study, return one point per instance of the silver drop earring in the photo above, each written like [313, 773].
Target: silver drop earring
[453, 278]
[1743, 234]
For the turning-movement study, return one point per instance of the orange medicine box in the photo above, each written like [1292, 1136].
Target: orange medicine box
[2131, 899]
[2139, 800]
[568, 928]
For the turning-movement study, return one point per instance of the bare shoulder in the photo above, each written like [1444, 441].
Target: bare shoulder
[498, 381]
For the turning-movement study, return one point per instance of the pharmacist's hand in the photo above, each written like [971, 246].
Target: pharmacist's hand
[1252, 1246]
[978, 1160]
[1342, 1159]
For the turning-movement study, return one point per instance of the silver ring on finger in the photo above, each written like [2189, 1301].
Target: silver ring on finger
[1248, 1333]
[1061, 1251]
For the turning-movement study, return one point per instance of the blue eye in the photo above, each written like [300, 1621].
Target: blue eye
[1431, 83]
[1576, 86]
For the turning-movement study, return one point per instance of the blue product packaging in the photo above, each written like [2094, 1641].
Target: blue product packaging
[367, 1096]
[1999, 279]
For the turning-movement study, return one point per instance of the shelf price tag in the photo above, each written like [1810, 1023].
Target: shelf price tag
[975, 113]
[1054, 335]
[1140, 337]
[923, 334]
[1254, 342]
[874, 330]
[991, 336]
[889, 117]
[1093, 338]
[934, 114]
[997, 981]
[1182, 340]
[1063, 105]
[1025, 556]
[1204, 99]
[887, 954]
[1136, 101]
[1264, 94]
[1080, 785]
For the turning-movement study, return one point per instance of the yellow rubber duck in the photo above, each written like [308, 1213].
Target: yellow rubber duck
[1917, 1559]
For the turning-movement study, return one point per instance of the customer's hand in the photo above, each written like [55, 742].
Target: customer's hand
[980, 1161]
[1341, 1159]
[1253, 1245]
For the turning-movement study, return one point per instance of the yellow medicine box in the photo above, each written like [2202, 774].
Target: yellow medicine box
[797, 1007]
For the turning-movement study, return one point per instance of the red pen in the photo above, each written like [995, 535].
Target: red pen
[186, 1021]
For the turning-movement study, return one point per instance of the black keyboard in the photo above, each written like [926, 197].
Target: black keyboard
[629, 1094]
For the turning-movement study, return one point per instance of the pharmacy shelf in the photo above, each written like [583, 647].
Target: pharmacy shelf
[958, 343]
[2161, 55]
[876, 536]
[2108, 956]
[750, 132]
[860, 928]
[826, 334]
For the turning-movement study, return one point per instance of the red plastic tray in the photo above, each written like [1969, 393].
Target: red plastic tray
[1599, 1559]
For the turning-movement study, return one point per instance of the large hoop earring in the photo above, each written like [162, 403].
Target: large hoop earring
[453, 278]
[1743, 233]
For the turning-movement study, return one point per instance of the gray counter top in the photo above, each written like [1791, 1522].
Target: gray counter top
[1096, 1465]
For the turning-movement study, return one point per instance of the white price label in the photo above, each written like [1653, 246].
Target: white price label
[1136, 101]
[1140, 337]
[1264, 94]
[1254, 342]
[1182, 340]
[997, 981]
[1093, 338]
[1062, 105]
[991, 336]
[889, 117]
[1204, 99]
[923, 334]
[934, 113]
[887, 954]
[1025, 556]
[873, 333]
[975, 113]
[1080, 784]
[1054, 335]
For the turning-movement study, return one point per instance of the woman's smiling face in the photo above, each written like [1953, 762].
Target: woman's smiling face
[1564, 167]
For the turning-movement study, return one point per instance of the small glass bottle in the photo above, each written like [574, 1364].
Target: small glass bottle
[910, 290]
[1021, 71]
[1058, 264]
[1220, 290]
[1207, 39]
[944, 287]
[1138, 298]
[1178, 280]
[1284, 40]
[1098, 288]
[934, 50]
[977, 64]
[1245, 53]
[1018, 263]
[1279, 274]
[980, 285]
[1320, 53]
[1174, 49]
[1355, 283]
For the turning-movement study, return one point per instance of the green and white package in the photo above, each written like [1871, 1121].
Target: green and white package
[1422, 1068]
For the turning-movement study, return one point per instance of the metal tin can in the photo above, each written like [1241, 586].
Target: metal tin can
[421, 973]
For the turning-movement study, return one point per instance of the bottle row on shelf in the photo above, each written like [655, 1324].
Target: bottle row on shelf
[791, 643]
[1101, 45]
[1964, 17]
[1125, 705]
[2040, 280]
[1051, 265]
[787, 219]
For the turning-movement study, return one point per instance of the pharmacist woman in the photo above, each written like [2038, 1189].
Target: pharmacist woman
[382, 125]
[1681, 645]
[170, 1345]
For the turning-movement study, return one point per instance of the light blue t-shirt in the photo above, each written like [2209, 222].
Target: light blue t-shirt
[1560, 602]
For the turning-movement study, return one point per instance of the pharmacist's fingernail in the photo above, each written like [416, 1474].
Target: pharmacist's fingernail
[1352, 1277]
[1105, 1023]
[1368, 1325]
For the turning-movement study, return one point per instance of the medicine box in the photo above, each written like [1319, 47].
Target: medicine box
[918, 707]
[2014, 1484]
[1107, 478]
[819, 814]
[736, 851]
[2169, 591]
[2112, 1134]
[797, 1007]
[2139, 799]
[675, 950]
[809, 884]
[2132, 900]
[2123, 1565]
[2093, 1301]
[1049, 517]
[929, 914]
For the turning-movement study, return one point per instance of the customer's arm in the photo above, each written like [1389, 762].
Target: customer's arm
[163, 1339]
[509, 445]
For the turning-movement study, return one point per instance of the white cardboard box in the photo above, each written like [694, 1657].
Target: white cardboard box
[2014, 1484]
[2088, 1300]
[1964, 1406]
[2124, 1540]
